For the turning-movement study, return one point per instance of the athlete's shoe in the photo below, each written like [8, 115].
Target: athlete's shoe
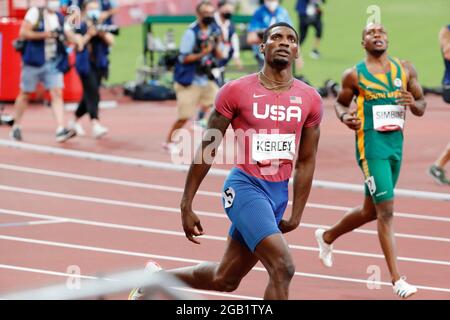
[314, 54]
[78, 128]
[403, 289]
[98, 131]
[16, 134]
[325, 249]
[151, 267]
[65, 134]
[6, 119]
[438, 174]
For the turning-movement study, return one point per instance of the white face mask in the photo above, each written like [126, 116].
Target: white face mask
[53, 5]
[271, 5]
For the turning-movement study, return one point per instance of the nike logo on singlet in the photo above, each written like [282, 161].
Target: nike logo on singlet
[258, 95]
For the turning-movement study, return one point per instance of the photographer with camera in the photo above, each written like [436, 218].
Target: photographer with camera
[269, 13]
[195, 81]
[44, 60]
[92, 64]
[231, 48]
[108, 8]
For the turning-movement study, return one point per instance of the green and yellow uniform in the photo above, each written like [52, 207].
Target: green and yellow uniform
[379, 141]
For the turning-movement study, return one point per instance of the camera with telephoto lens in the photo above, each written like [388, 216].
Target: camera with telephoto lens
[60, 35]
[19, 45]
[209, 62]
[111, 28]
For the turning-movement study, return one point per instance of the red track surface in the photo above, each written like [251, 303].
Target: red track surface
[136, 131]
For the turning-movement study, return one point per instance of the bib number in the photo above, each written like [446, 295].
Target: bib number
[273, 146]
[388, 117]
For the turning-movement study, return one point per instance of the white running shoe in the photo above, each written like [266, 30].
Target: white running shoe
[325, 249]
[78, 128]
[99, 131]
[151, 267]
[403, 289]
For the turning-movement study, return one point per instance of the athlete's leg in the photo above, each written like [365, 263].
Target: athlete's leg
[57, 106]
[355, 218]
[273, 252]
[20, 105]
[443, 158]
[237, 261]
[385, 226]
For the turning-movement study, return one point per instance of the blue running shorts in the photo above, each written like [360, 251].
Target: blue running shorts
[254, 206]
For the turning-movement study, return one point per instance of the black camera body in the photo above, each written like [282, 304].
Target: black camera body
[19, 45]
[111, 28]
[60, 35]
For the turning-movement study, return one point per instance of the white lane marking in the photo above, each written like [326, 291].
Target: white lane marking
[63, 274]
[177, 210]
[212, 172]
[195, 261]
[31, 223]
[135, 184]
[208, 237]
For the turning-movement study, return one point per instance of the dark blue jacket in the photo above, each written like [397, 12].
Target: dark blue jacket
[446, 79]
[185, 72]
[98, 58]
[34, 51]
[301, 7]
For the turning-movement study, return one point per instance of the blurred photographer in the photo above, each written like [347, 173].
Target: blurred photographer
[231, 47]
[92, 64]
[44, 59]
[108, 8]
[269, 13]
[195, 80]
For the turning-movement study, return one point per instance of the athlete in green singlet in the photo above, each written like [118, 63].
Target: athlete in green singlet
[384, 88]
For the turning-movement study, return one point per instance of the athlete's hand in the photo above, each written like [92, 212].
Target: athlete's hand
[191, 225]
[286, 226]
[351, 120]
[406, 99]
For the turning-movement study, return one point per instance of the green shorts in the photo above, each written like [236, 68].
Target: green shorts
[380, 178]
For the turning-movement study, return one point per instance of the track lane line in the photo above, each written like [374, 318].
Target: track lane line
[71, 275]
[177, 210]
[195, 261]
[208, 237]
[128, 183]
[159, 165]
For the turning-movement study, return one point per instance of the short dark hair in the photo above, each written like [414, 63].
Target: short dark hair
[201, 4]
[278, 24]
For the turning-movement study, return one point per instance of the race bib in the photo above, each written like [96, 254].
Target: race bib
[388, 117]
[273, 146]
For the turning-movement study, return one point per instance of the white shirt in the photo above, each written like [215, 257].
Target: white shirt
[51, 23]
[228, 43]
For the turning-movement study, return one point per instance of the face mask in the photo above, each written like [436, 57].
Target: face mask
[271, 5]
[53, 5]
[207, 20]
[93, 14]
[227, 15]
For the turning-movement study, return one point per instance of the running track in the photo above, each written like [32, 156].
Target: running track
[57, 211]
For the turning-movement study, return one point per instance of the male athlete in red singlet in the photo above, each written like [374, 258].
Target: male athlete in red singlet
[276, 122]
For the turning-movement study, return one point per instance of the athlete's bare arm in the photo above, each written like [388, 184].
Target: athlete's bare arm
[344, 99]
[303, 176]
[217, 126]
[413, 97]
